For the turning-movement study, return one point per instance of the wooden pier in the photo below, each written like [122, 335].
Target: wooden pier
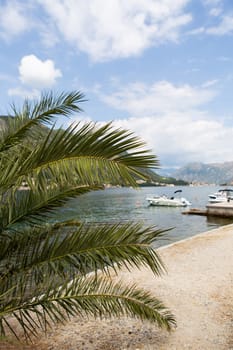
[224, 210]
[195, 211]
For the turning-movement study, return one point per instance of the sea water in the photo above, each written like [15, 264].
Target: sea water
[127, 204]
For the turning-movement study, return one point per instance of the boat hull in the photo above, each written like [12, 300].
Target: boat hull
[222, 196]
[166, 202]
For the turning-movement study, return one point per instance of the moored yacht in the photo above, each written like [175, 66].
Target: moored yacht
[168, 202]
[225, 195]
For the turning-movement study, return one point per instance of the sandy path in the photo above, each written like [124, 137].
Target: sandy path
[198, 289]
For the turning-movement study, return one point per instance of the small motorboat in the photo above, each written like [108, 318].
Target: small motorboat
[225, 195]
[168, 202]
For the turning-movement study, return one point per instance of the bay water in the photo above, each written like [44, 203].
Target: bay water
[126, 204]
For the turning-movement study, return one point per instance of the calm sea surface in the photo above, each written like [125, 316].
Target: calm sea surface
[126, 204]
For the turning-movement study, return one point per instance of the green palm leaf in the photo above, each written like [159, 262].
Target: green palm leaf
[89, 142]
[46, 254]
[33, 206]
[53, 270]
[87, 296]
[32, 115]
[73, 154]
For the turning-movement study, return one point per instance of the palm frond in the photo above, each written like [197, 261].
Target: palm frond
[100, 153]
[53, 270]
[47, 255]
[33, 207]
[91, 297]
[37, 113]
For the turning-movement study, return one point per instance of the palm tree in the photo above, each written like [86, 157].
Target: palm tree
[49, 271]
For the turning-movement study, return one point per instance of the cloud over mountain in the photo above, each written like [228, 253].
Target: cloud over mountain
[173, 121]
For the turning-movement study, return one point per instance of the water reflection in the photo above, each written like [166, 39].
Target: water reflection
[217, 221]
[126, 204]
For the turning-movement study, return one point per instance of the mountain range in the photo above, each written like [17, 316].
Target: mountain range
[213, 173]
[154, 179]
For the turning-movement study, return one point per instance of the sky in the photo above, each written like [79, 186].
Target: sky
[160, 68]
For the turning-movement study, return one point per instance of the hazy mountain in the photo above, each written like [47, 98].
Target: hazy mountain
[157, 180]
[168, 172]
[218, 173]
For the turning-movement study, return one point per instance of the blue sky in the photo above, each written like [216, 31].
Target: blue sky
[161, 68]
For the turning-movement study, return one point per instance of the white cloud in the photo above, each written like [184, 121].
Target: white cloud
[224, 27]
[173, 122]
[13, 20]
[159, 98]
[117, 28]
[37, 73]
[181, 138]
[196, 31]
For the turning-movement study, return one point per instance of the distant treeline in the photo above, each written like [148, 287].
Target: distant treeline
[156, 180]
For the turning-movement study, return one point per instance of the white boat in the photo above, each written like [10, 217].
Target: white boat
[168, 202]
[225, 195]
